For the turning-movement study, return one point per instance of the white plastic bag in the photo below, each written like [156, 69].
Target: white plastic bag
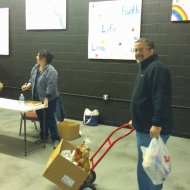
[90, 117]
[156, 161]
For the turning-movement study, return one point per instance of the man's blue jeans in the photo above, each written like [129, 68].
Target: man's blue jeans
[144, 181]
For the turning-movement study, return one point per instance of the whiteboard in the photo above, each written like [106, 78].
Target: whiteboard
[4, 28]
[113, 28]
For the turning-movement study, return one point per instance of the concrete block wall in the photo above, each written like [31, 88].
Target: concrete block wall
[82, 82]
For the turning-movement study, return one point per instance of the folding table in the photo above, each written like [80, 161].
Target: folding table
[23, 108]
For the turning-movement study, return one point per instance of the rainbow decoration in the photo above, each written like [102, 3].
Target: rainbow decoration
[179, 13]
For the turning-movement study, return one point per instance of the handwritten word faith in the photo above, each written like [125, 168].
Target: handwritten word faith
[130, 11]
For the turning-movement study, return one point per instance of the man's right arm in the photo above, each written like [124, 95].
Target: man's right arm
[130, 124]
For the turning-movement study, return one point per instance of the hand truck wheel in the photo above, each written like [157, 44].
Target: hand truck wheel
[87, 186]
[91, 177]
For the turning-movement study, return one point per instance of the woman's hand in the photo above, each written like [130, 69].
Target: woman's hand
[45, 101]
[26, 86]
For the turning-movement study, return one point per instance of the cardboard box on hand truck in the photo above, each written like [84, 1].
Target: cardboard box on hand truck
[61, 171]
[68, 130]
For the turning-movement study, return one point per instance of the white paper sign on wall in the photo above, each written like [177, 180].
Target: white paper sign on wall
[114, 26]
[4, 36]
[180, 10]
[45, 14]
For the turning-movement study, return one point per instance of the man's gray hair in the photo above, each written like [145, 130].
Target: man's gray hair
[148, 41]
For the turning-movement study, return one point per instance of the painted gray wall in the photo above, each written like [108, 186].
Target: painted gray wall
[83, 82]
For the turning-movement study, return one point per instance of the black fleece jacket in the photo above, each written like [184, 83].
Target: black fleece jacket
[151, 98]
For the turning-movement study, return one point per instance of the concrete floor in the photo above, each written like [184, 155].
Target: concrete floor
[116, 171]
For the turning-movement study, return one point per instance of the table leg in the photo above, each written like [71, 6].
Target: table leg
[44, 126]
[25, 134]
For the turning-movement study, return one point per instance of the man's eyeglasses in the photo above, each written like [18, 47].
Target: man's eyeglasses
[141, 50]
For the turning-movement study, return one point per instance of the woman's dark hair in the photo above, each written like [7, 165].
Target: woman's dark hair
[148, 41]
[44, 53]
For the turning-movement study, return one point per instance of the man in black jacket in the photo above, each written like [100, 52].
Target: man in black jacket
[150, 107]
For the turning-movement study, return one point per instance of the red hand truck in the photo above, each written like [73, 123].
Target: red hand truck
[92, 176]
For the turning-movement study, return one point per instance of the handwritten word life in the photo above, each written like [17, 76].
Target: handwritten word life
[109, 28]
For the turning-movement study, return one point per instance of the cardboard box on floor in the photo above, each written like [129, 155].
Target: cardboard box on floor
[68, 130]
[61, 171]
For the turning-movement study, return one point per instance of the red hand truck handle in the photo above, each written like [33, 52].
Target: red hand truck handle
[110, 145]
